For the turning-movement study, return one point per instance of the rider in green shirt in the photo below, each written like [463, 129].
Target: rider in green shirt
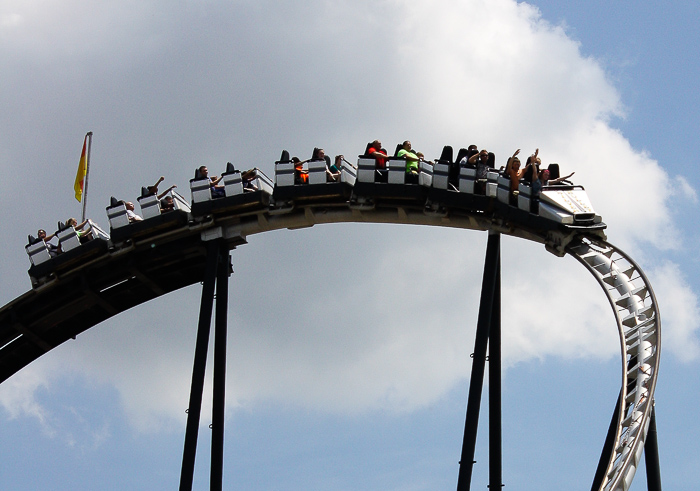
[412, 158]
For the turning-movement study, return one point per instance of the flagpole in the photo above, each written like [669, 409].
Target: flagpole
[87, 173]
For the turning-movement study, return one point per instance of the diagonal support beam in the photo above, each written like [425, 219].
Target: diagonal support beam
[476, 383]
[143, 278]
[96, 297]
[607, 448]
[199, 367]
[19, 327]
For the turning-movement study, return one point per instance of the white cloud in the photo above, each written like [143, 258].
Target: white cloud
[552, 307]
[680, 313]
[344, 317]
[18, 394]
[686, 190]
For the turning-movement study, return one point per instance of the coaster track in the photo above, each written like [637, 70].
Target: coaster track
[141, 268]
[636, 313]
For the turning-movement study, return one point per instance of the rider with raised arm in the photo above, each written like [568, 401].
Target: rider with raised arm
[481, 162]
[53, 250]
[154, 189]
[514, 173]
[217, 190]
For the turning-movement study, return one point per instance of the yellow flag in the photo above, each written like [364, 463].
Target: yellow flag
[80, 176]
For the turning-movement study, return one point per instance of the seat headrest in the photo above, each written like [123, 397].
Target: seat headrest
[145, 191]
[284, 158]
[113, 202]
[461, 154]
[230, 169]
[553, 171]
[31, 239]
[446, 155]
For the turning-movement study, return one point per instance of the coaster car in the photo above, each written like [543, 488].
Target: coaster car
[74, 247]
[243, 191]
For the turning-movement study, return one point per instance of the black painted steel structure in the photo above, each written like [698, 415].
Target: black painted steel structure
[216, 275]
[194, 407]
[607, 447]
[651, 456]
[487, 306]
[495, 427]
[651, 453]
[219, 396]
[488, 335]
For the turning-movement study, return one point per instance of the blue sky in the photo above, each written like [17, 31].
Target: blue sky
[362, 386]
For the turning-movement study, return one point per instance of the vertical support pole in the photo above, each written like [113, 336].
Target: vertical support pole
[651, 455]
[607, 447]
[495, 427]
[88, 135]
[219, 398]
[478, 365]
[199, 367]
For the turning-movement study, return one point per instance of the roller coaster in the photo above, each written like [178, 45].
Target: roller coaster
[93, 280]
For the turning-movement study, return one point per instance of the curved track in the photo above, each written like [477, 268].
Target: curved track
[636, 313]
[138, 270]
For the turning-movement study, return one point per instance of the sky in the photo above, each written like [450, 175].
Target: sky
[363, 383]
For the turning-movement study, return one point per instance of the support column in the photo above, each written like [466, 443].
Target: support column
[478, 365]
[199, 367]
[607, 447]
[219, 398]
[651, 455]
[495, 405]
